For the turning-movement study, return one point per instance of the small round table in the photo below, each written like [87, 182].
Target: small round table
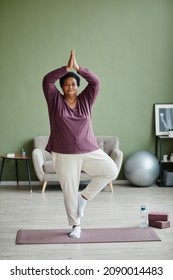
[17, 157]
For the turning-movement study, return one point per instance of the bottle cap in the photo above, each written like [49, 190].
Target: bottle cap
[143, 207]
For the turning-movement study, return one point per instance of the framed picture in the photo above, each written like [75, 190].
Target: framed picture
[163, 118]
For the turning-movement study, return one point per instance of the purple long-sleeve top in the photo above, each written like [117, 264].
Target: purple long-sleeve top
[71, 130]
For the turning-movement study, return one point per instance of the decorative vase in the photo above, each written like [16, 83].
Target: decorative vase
[170, 133]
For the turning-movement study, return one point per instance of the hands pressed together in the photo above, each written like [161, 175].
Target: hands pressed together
[72, 62]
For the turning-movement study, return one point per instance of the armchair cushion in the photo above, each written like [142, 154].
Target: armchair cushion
[48, 167]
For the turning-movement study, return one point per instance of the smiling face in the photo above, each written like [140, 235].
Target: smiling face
[70, 88]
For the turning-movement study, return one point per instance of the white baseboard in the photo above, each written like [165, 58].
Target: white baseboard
[37, 183]
[21, 183]
[121, 182]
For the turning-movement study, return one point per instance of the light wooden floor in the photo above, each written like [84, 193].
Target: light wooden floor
[19, 209]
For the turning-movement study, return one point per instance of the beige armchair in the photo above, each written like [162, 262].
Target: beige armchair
[42, 160]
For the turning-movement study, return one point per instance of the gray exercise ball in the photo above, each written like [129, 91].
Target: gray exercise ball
[142, 169]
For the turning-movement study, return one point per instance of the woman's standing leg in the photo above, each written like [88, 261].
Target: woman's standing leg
[68, 169]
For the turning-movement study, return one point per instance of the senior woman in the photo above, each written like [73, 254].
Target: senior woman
[72, 142]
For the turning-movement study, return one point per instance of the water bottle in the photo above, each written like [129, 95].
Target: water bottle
[143, 216]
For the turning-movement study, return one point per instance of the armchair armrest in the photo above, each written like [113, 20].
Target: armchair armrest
[117, 156]
[38, 161]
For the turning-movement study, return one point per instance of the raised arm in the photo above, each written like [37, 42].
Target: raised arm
[51, 78]
[49, 87]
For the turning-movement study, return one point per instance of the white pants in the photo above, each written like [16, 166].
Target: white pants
[68, 168]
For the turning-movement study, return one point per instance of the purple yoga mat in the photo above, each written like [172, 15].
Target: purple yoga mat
[93, 235]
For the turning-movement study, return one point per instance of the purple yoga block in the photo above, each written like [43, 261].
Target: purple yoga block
[159, 224]
[158, 216]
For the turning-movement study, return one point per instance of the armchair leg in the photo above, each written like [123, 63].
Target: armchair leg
[44, 186]
[110, 186]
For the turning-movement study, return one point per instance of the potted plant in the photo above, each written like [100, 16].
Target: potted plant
[23, 153]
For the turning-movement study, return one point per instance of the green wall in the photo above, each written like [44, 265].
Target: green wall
[128, 43]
